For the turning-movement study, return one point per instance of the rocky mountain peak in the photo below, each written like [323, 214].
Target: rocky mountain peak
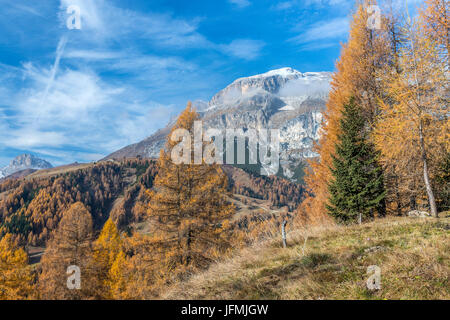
[286, 83]
[23, 162]
[283, 99]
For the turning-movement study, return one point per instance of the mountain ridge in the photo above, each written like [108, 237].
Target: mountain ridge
[24, 162]
[284, 99]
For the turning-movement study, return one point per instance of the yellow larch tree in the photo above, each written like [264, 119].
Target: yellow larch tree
[189, 207]
[436, 15]
[367, 50]
[110, 260]
[70, 245]
[118, 281]
[412, 129]
[15, 275]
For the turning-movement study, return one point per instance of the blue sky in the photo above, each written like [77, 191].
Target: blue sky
[77, 95]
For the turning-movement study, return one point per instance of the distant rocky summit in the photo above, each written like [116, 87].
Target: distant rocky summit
[24, 162]
[283, 99]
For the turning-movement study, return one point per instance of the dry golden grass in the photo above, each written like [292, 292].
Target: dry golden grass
[413, 254]
[46, 173]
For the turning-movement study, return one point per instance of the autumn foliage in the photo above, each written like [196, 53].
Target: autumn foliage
[189, 206]
[16, 280]
[396, 76]
[136, 225]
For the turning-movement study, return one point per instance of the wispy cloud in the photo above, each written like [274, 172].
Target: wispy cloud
[244, 48]
[27, 9]
[131, 67]
[322, 34]
[59, 51]
[102, 21]
[240, 3]
[322, 30]
[285, 5]
[80, 110]
[95, 92]
[93, 54]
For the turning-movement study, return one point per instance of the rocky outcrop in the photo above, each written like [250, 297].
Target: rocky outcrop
[24, 162]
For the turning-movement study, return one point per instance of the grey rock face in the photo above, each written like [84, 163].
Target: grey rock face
[23, 162]
[283, 99]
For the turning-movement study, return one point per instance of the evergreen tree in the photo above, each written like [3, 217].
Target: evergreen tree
[365, 52]
[357, 188]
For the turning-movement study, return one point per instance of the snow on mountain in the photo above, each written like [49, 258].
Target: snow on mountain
[289, 85]
[23, 162]
[284, 99]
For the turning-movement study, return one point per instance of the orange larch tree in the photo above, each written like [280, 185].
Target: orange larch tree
[15, 275]
[366, 51]
[189, 205]
[412, 129]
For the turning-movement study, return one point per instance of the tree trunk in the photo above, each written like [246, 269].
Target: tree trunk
[412, 202]
[397, 194]
[426, 177]
[188, 257]
[283, 233]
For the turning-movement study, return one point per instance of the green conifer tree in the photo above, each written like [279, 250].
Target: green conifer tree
[357, 188]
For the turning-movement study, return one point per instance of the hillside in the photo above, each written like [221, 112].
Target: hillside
[413, 254]
[31, 206]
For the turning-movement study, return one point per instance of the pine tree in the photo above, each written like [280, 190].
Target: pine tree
[189, 206]
[15, 275]
[361, 57]
[356, 189]
[71, 245]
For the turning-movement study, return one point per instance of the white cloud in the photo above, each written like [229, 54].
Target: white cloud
[323, 30]
[80, 111]
[101, 21]
[26, 138]
[244, 48]
[59, 51]
[90, 12]
[93, 54]
[72, 95]
[71, 110]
